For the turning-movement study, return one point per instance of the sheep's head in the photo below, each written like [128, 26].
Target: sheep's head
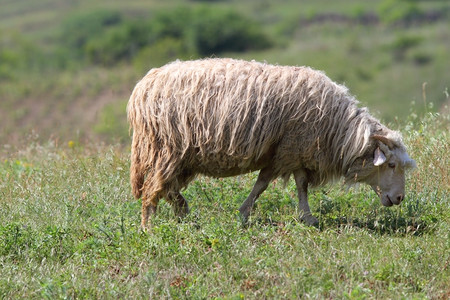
[383, 168]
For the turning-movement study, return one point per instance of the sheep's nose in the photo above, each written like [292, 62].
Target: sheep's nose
[400, 197]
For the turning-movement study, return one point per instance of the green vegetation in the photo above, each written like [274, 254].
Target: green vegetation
[392, 11]
[70, 230]
[103, 37]
[68, 221]
[61, 67]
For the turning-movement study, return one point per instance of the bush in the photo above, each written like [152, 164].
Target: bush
[403, 43]
[160, 53]
[394, 11]
[215, 32]
[18, 54]
[105, 38]
[81, 29]
[207, 30]
[119, 43]
[421, 57]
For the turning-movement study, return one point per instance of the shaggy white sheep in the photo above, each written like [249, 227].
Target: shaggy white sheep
[223, 117]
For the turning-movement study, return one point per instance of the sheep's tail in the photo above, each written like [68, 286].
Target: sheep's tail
[136, 171]
[135, 115]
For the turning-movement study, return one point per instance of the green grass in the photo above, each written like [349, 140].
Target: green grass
[69, 229]
[68, 221]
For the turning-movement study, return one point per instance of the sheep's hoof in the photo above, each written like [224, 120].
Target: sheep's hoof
[310, 220]
[244, 213]
[181, 213]
[145, 229]
[244, 220]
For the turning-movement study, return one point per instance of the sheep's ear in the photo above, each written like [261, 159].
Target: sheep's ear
[383, 139]
[378, 157]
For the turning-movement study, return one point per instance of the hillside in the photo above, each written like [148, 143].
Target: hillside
[69, 229]
[69, 225]
[68, 67]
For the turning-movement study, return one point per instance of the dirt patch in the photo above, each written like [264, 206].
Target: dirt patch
[49, 118]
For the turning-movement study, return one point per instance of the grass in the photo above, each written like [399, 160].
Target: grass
[68, 221]
[69, 229]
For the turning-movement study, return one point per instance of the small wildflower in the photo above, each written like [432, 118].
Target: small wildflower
[71, 144]
[214, 242]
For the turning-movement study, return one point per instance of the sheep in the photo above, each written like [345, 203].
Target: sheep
[224, 117]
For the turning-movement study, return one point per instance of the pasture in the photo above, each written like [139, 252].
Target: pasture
[70, 230]
[69, 226]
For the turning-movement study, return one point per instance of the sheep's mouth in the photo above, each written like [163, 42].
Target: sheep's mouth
[384, 197]
[386, 201]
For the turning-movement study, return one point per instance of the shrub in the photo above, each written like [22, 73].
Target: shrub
[421, 57]
[105, 38]
[207, 30]
[79, 29]
[119, 43]
[162, 52]
[17, 54]
[216, 31]
[171, 23]
[403, 43]
[394, 11]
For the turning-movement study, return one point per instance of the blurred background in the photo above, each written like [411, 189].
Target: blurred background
[67, 67]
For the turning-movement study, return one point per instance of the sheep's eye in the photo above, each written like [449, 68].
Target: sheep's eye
[391, 165]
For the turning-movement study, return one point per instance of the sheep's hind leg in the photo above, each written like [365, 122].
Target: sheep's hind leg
[301, 181]
[148, 210]
[264, 178]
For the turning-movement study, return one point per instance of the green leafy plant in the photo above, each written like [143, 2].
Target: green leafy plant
[395, 11]
[106, 38]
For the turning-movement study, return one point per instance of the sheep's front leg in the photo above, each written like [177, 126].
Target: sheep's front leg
[264, 178]
[301, 181]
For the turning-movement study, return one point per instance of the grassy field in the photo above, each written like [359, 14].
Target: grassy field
[69, 229]
[69, 224]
